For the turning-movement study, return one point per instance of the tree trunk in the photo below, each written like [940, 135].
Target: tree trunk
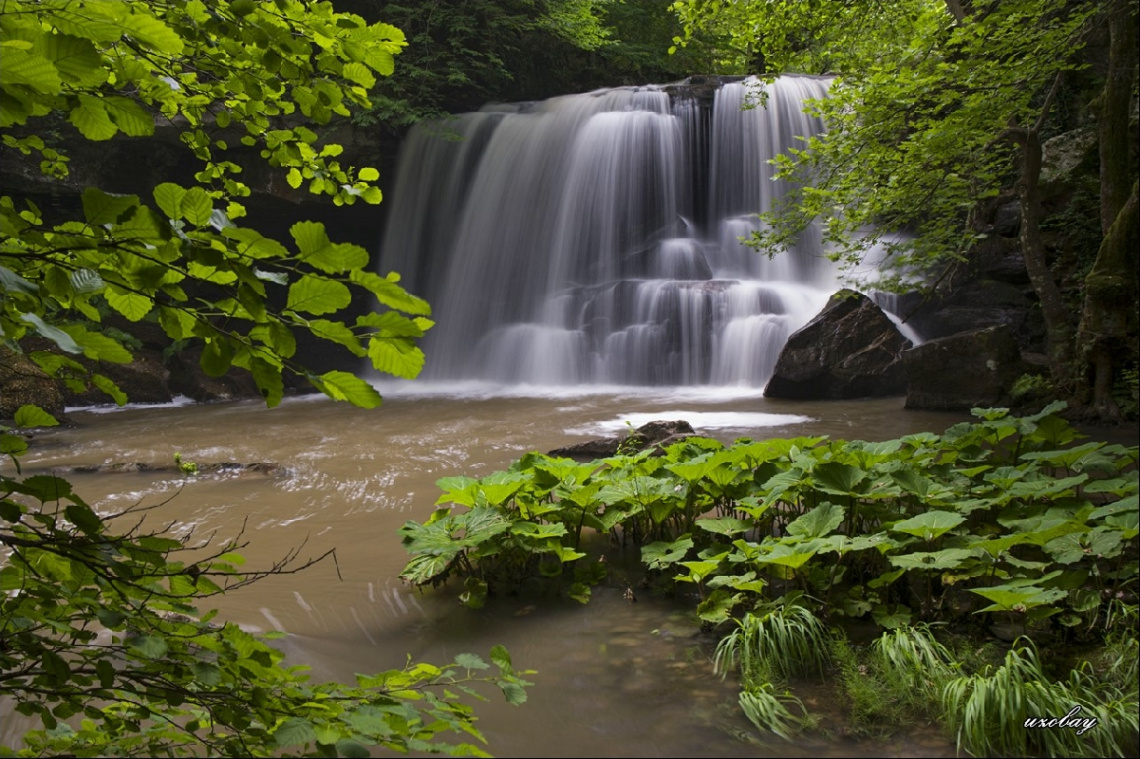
[1114, 104]
[1059, 327]
[1110, 287]
[1110, 303]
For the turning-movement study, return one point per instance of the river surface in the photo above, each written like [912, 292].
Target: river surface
[614, 678]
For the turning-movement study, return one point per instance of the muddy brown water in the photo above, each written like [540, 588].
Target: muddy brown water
[614, 678]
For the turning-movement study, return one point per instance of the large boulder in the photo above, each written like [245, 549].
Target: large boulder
[850, 350]
[963, 371]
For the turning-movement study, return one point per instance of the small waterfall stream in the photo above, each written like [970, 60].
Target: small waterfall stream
[594, 238]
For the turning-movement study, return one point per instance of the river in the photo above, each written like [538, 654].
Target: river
[614, 678]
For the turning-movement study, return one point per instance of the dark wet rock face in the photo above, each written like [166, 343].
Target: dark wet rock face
[963, 371]
[850, 350]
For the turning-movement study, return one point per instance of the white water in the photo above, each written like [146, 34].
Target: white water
[594, 239]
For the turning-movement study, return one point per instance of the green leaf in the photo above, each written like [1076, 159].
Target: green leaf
[948, 558]
[169, 197]
[89, 116]
[471, 661]
[269, 382]
[84, 518]
[151, 647]
[152, 32]
[130, 117]
[818, 522]
[20, 67]
[217, 355]
[133, 306]
[97, 346]
[316, 295]
[197, 207]
[398, 356]
[352, 749]
[342, 386]
[295, 731]
[930, 524]
[104, 208]
[34, 416]
[108, 386]
[56, 335]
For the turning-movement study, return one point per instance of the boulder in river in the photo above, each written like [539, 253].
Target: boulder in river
[850, 350]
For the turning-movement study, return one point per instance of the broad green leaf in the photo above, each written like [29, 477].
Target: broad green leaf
[316, 295]
[196, 206]
[343, 386]
[152, 32]
[295, 731]
[104, 208]
[89, 116]
[948, 558]
[97, 346]
[133, 306]
[660, 554]
[269, 382]
[56, 335]
[108, 386]
[818, 522]
[130, 117]
[398, 356]
[471, 661]
[20, 67]
[390, 294]
[152, 647]
[836, 478]
[34, 416]
[930, 524]
[169, 197]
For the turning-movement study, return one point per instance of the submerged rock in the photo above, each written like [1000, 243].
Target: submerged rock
[657, 434]
[220, 468]
[850, 350]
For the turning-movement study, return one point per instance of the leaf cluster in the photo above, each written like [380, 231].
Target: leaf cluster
[219, 72]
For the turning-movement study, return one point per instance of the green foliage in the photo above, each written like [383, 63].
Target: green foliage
[1006, 510]
[1007, 519]
[253, 73]
[988, 711]
[101, 636]
[919, 118]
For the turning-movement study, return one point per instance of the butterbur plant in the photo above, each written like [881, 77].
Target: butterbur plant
[1005, 520]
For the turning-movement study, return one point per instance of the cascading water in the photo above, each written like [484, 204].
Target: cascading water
[595, 238]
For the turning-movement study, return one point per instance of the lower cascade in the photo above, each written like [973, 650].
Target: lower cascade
[595, 238]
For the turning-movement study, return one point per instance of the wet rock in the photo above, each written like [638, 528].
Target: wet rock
[850, 350]
[267, 468]
[144, 380]
[657, 434]
[187, 378]
[963, 371]
[22, 382]
[978, 304]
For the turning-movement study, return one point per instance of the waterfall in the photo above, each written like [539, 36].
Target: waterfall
[594, 238]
